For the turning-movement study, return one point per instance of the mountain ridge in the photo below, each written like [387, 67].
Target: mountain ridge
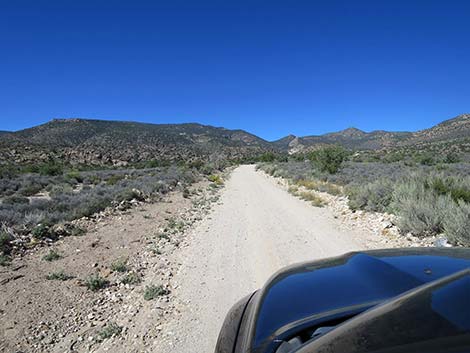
[94, 141]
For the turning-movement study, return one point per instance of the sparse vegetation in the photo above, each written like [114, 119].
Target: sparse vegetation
[131, 278]
[174, 225]
[119, 266]
[58, 276]
[96, 282]
[216, 179]
[153, 291]
[111, 329]
[5, 245]
[457, 223]
[375, 196]
[4, 260]
[427, 200]
[52, 256]
[42, 231]
[76, 194]
[316, 201]
[319, 185]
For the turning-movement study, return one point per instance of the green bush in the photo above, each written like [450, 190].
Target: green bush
[457, 188]
[52, 256]
[114, 179]
[130, 194]
[119, 266]
[30, 190]
[328, 159]
[267, 157]
[42, 231]
[131, 278]
[5, 246]
[111, 329]
[375, 196]
[74, 177]
[152, 292]
[4, 260]
[14, 199]
[457, 223]
[51, 169]
[95, 282]
[420, 210]
[451, 157]
[426, 159]
[58, 276]
[216, 179]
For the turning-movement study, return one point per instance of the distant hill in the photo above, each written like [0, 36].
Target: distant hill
[84, 141]
[453, 130]
[118, 143]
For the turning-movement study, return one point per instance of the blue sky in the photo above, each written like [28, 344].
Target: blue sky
[269, 67]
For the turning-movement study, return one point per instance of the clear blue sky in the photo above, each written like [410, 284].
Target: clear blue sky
[269, 67]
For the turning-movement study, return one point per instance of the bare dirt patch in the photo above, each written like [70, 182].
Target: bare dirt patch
[92, 293]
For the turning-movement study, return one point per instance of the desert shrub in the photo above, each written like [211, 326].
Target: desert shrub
[14, 199]
[207, 169]
[74, 177]
[310, 196]
[42, 231]
[59, 189]
[96, 282]
[267, 157]
[110, 330]
[216, 179]
[426, 159]
[131, 278]
[114, 179]
[30, 189]
[76, 231]
[457, 188]
[375, 196]
[175, 225]
[328, 159]
[5, 246]
[119, 265]
[293, 189]
[457, 223]
[89, 207]
[420, 210]
[319, 185]
[52, 256]
[58, 276]
[152, 292]
[65, 204]
[130, 194]
[452, 157]
[4, 260]
[51, 169]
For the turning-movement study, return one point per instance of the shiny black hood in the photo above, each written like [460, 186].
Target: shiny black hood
[318, 293]
[431, 318]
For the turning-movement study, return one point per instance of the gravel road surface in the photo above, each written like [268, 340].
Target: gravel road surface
[256, 229]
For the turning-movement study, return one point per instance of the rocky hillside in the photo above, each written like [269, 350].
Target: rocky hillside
[98, 142]
[118, 143]
[456, 130]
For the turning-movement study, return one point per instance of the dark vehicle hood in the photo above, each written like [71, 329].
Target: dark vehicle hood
[312, 293]
[430, 318]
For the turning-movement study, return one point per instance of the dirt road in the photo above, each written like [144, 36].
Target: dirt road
[256, 229]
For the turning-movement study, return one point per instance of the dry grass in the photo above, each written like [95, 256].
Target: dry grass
[316, 200]
[318, 185]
